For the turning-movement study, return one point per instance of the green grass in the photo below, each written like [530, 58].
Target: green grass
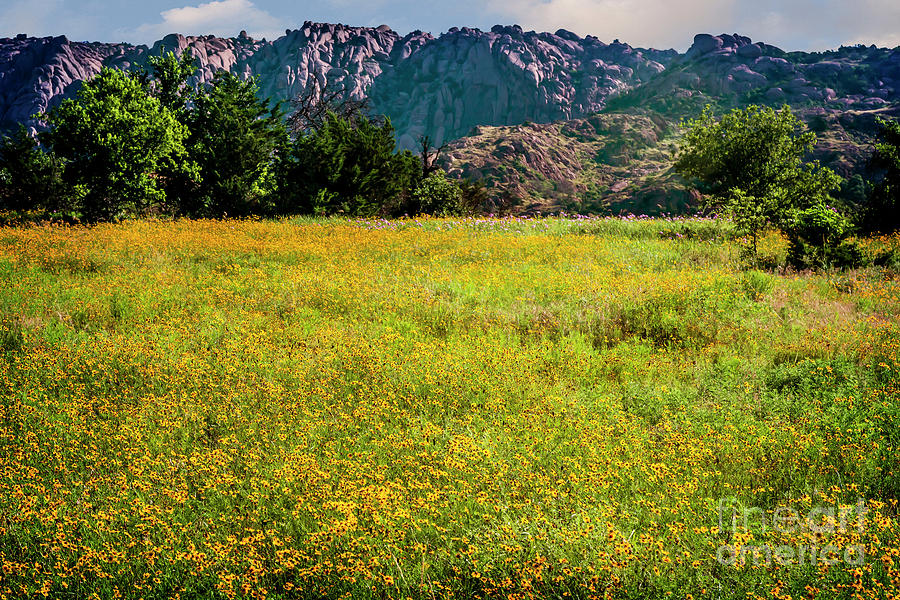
[437, 408]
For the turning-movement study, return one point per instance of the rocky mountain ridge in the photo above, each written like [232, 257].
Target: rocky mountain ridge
[444, 86]
[38, 73]
[520, 107]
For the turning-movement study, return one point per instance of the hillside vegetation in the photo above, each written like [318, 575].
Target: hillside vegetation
[478, 408]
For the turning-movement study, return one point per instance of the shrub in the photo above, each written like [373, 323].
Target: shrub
[882, 211]
[30, 179]
[437, 196]
[817, 240]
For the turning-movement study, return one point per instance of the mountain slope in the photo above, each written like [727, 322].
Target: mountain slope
[520, 107]
[621, 161]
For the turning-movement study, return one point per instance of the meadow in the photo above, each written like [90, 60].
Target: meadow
[472, 408]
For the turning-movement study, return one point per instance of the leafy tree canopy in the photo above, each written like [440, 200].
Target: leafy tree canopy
[116, 141]
[170, 76]
[234, 137]
[347, 166]
[750, 162]
[30, 179]
[883, 210]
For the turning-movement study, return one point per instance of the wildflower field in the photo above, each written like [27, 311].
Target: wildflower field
[493, 408]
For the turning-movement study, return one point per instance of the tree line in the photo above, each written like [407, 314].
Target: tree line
[144, 142]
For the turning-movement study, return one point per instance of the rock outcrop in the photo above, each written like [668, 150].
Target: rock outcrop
[505, 76]
[443, 87]
[731, 69]
[38, 73]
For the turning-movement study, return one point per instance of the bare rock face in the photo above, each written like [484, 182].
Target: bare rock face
[440, 87]
[733, 66]
[37, 74]
[469, 77]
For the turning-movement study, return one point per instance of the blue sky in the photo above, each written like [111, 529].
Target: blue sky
[790, 24]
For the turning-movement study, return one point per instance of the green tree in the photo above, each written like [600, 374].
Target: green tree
[882, 211]
[169, 79]
[346, 166]
[750, 164]
[817, 239]
[30, 179]
[234, 137]
[116, 140]
[438, 196]
[168, 82]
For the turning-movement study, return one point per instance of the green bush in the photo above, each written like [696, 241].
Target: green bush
[817, 240]
[30, 179]
[348, 167]
[882, 211]
[437, 196]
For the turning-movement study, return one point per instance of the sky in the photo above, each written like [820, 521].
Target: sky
[789, 24]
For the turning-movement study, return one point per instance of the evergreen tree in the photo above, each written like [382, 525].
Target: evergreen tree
[30, 179]
[345, 166]
[234, 138]
[882, 212]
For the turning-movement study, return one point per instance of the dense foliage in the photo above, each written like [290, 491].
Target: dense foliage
[29, 178]
[118, 143]
[347, 167]
[751, 164]
[883, 209]
[234, 138]
[137, 143]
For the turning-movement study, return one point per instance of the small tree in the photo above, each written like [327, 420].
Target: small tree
[116, 140]
[817, 239]
[311, 108]
[30, 179]
[438, 196]
[750, 163]
[882, 211]
[169, 80]
[429, 155]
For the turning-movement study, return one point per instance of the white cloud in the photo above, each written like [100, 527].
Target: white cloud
[219, 17]
[46, 18]
[793, 25]
[655, 23]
